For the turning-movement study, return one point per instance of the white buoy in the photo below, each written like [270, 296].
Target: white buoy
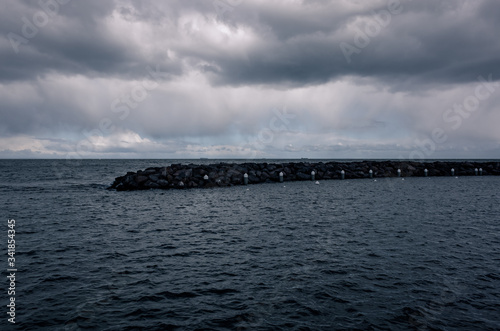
[342, 174]
[399, 172]
[475, 172]
[480, 171]
[452, 171]
[426, 172]
[371, 173]
[245, 179]
[312, 175]
[205, 177]
[281, 177]
[317, 183]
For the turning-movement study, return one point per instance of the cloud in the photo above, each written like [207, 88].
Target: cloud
[192, 79]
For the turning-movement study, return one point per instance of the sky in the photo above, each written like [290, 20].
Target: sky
[394, 79]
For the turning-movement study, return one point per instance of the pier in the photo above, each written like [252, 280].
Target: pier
[185, 176]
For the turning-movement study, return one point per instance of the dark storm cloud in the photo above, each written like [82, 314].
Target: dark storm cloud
[221, 66]
[299, 43]
[75, 39]
[424, 41]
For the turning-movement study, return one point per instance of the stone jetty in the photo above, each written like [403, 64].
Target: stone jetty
[182, 176]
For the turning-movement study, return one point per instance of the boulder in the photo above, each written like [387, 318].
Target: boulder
[151, 184]
[303, 176]
[162, 183]
[141, 179]
[154, 177]
[225, 174]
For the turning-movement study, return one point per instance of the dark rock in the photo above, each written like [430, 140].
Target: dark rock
[151, 184]
[264, 176]
[141, 179]
[190, 176]
[237, 180]
[162, 183]
[303, 176]
[154, 178]
[253, 179]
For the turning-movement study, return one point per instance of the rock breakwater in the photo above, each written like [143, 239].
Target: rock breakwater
[181, 176]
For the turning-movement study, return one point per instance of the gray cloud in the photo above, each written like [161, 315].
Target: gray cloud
[76, 41]
[428, 41]
[222, 74]
[298, 43]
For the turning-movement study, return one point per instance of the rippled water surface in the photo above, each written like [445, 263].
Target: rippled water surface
[419, 253]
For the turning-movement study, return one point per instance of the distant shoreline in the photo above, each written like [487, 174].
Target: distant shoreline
[182, 176]
[246, 160]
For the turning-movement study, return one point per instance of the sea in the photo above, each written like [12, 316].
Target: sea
[365, 254]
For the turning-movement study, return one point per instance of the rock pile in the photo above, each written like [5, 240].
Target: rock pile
[179, 176]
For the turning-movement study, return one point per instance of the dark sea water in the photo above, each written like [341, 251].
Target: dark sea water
[391, 254]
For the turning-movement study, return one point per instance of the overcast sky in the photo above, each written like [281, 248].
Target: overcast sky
[250, 79]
